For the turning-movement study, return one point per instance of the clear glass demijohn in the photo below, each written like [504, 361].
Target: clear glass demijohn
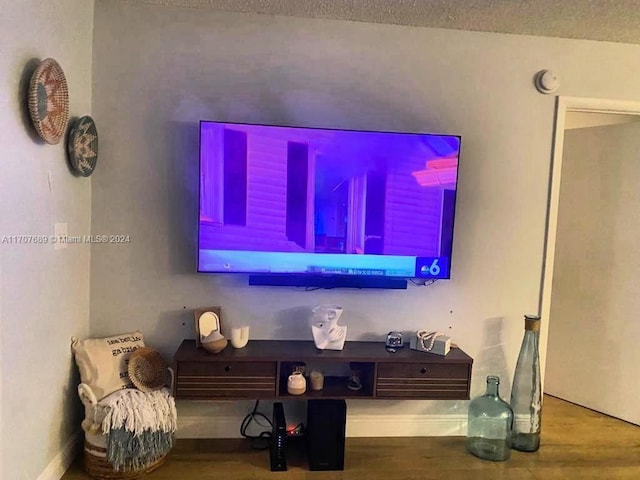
[490, 423]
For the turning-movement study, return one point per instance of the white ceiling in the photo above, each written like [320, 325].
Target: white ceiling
[607, 20]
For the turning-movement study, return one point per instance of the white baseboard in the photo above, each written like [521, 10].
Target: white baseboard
[63, 460]
[357, 426]
[406, 425]
[209, 426]
[213, 426]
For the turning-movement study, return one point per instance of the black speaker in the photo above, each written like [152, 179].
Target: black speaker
[277, 454]
[326, 421]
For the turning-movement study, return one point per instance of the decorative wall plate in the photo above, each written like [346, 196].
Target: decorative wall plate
[83, 146]
[49, 101]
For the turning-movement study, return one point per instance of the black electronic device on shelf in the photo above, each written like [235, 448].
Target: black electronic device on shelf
[277, 455]
[326, 425]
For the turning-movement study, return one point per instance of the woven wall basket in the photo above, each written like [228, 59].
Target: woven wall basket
[49, 101]
[97, 466]
[82, 146]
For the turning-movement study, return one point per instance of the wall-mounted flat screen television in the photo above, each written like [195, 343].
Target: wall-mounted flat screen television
[317, 203]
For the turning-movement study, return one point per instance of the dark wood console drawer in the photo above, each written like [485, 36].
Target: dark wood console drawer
[423, 380]
[260, 371]
[226, 379]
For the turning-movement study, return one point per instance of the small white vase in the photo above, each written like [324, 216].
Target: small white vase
[296, 384]
[240, 336]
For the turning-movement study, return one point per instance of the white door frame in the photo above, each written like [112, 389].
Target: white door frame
[564, 105]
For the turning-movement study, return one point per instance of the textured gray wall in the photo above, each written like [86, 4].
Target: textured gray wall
[159, 70]
[44, 295]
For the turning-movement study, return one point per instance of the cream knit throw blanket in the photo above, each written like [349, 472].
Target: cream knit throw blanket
[140, 426]
[137, 411]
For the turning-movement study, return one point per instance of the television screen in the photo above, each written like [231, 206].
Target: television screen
[312, 201]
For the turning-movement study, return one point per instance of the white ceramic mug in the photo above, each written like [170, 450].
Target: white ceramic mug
[240, 336]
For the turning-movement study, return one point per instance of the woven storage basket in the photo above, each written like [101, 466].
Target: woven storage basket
[97, 466]
[147, 369]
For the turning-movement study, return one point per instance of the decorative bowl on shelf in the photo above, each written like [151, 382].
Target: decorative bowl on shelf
[209, 333]
[216, 345]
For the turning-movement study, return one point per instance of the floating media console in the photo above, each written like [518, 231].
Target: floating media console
[260, 371]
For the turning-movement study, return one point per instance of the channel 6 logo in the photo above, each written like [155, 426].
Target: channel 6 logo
[432, 267]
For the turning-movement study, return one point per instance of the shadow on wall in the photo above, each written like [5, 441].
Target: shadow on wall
[265, 98]
[491, 359]
[182, 195]
[23, 99]
[176, 325]
[73, 408]
[293, 324]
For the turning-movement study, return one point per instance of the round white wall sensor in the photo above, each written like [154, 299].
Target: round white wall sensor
[547, 81]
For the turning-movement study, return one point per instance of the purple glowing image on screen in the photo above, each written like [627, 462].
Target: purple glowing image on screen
[266, 190]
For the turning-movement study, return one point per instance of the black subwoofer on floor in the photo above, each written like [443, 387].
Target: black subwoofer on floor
[326, 421]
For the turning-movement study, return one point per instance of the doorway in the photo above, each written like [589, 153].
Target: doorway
[593, 258]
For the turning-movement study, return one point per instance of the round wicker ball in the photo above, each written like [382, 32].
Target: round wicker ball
[147, 369]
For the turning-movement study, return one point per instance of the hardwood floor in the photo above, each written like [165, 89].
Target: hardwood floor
[577, 443]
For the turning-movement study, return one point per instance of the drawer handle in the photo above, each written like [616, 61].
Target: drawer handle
[423, 370]
[227, 368]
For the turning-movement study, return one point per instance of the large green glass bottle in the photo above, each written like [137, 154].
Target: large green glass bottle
[490, 423]
[526, 394]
